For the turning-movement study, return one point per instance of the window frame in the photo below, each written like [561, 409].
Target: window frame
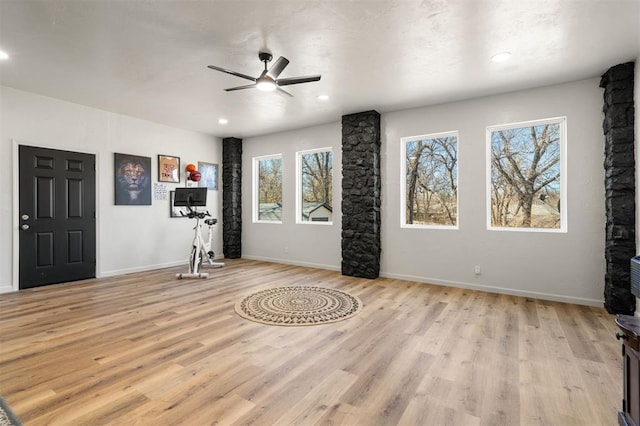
[562, 122]
[256, 187]
[299, 200]
[403, 180]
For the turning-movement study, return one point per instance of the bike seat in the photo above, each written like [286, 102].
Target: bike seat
[211, 221]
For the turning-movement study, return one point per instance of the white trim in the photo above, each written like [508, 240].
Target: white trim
[16, 204]
[145, 268]
[448, 283]
[420, 226]
[500, 290]
[311, 222]
[292, 262]
[256, 184]
[6, 289]
[403, 180]
[16, 217]
[299, 155]
[562, 122]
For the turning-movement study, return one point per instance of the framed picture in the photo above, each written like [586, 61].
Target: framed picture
[208, 175]
[175, 211]
[132, 175]
[168, 169]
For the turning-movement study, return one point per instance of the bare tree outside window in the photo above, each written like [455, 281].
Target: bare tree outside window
[269, 194]
[431, 180]
[316, 186]
[526, 175]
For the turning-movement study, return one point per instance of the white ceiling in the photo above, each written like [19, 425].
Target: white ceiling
[148, 59]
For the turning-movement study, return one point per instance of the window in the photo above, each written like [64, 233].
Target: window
[429, 181]
[526, 188]
[315, 186]
[267, 175]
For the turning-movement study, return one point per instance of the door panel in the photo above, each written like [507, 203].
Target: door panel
[57, 216]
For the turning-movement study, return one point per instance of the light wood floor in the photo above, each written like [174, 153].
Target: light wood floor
[152, 350]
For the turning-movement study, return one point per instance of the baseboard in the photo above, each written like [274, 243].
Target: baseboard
[144, 268]
[501, 290]
[491, 289]
[447, 283]
[292, 262]
[6, 288]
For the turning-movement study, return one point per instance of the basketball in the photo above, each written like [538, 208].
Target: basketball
[195, 176]
[191, 167]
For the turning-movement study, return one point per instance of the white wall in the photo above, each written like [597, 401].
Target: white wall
[557, 266]
[130, 238]
[308, 244]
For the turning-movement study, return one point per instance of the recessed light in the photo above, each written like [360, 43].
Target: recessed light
[3, 55]
[501, 57]
[223, 121]
[323, 97]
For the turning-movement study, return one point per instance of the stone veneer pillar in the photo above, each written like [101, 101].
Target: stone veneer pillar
[619, 163]
[232, 197]
[361, 194]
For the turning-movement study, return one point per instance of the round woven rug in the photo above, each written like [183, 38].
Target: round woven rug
[298, 306]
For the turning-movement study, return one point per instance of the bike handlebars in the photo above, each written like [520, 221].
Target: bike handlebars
[192, 214]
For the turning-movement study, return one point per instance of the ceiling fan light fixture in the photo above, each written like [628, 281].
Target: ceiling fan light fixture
[265, 84]
[268, 80]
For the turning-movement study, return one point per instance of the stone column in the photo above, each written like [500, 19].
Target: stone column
[620, 190]
[361, 194]
[232, 197]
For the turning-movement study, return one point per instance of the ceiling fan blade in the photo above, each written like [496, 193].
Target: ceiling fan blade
[277, 68]
[284, 92]
[248, 86]
[237, 74]
[297, 80]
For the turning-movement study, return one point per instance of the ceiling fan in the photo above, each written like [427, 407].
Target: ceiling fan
[268, 80]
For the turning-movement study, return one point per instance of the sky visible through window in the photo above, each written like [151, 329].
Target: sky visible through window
[431, 180]
[525, 176]
[316, 170]
[270, 189]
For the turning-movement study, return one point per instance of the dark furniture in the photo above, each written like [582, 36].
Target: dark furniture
[630, 336]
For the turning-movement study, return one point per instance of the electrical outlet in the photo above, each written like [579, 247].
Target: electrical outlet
[476, 270]
[286, 249]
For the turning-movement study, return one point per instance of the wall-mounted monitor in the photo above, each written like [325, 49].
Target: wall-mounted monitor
[190, 197]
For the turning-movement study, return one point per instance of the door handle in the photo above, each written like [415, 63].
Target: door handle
[24, 227]
[622, 336]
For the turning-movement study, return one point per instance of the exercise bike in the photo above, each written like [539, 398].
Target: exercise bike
[201, 253]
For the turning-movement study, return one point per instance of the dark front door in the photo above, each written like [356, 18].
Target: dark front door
[57, 216]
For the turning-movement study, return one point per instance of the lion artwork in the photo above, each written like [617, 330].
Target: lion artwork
[132, 180]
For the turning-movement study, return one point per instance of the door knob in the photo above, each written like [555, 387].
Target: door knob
[24, 217]
[25, 227]
[622, 336]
